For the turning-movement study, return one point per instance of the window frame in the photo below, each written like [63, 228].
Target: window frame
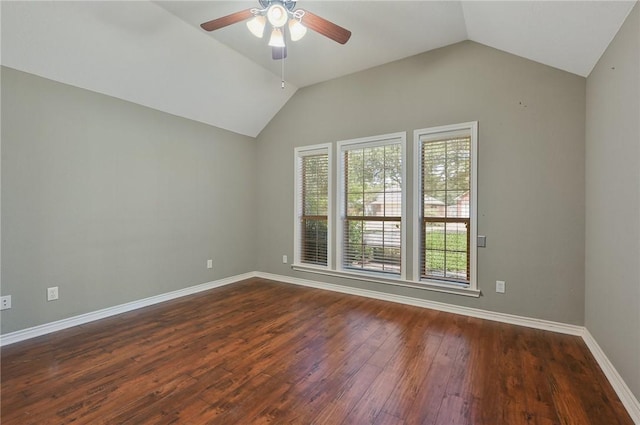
[399, 138]
[299, 154]
[472, 129]
[410, 221]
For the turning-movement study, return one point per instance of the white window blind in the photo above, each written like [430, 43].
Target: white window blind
[313, 203]
[447, 168]
[372, 207]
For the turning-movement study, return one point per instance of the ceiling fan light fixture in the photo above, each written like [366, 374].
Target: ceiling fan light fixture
[277, 15]
[256, 25]
[296, 29]
[277, 39]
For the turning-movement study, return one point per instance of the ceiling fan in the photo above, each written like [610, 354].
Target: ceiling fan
[282, 17]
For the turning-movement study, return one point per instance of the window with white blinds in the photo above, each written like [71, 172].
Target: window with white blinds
[313, 201]
[446, 204]
[367, 205]
[372, 204]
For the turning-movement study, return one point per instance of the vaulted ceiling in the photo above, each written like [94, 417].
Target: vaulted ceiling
[155, 54]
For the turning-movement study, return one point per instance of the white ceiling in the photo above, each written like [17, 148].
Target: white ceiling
[155, 54]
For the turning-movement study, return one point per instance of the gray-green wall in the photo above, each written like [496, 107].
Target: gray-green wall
[531, 166]
[613, 202]
[114, 202]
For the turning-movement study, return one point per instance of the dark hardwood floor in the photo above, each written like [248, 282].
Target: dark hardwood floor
[264, 352]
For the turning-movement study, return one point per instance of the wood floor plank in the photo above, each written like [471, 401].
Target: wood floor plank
[538, 397]
[386, 419]
[486, 381]
[411, 347]
[514, 408]
[263, 352]
[414, 371]
[339, 405]
[322, 386]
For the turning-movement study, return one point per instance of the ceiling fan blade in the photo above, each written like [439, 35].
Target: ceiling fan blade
[326, 28]
[278, 53]
[227, 20]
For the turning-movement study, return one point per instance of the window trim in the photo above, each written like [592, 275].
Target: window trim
[472, 128]
[299, 153]
[447, 288]
[371, 142]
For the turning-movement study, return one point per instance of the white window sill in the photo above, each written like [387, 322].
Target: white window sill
[371, 277]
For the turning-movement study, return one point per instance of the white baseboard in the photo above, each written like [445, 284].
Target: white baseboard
[630, 402]
[21, 335]
[546, 325]
[626, 396]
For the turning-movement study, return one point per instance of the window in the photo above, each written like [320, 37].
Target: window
[370, 214]
[445, 229]
[371, 233]
[313, 203]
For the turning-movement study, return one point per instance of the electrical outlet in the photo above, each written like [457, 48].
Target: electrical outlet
[52, 293]
[500, 286]
[209, 264]
[285, 260]
[5, 302]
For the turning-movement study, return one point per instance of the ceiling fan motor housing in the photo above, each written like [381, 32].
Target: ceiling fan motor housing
[289, 4]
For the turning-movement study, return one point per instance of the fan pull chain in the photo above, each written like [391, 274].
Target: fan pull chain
[282, 72]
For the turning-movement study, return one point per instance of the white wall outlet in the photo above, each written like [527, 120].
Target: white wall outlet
[52, 293]
[5, 302]
[209, 264]
[285, 260]
[500, 286]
